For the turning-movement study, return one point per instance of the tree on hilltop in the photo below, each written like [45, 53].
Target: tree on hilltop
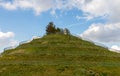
[50, 29]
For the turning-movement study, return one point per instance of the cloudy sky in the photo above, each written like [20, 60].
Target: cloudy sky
[97, 20]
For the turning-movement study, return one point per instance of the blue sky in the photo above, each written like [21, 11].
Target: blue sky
[97, 20]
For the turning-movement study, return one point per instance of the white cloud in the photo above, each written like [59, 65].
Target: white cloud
[86, 17]
[6, 39]
[103, 33]
[38, 6]
[107, 8]
[94, 8]
[13, 43]
[115, 48]
[8, 6]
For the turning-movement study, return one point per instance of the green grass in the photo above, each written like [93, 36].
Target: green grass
[59, 55]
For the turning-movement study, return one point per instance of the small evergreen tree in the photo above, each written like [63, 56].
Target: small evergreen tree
[58, 30]
[50, 29]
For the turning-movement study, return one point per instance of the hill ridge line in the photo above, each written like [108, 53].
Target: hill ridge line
[22, 42]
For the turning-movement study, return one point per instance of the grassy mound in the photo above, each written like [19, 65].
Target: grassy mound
[59, 55]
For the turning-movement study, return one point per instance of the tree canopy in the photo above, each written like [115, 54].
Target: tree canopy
[51, 29]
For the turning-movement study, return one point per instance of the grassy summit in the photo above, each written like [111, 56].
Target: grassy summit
[59, 55]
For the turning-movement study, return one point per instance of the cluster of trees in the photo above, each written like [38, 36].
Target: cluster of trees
[51, 29]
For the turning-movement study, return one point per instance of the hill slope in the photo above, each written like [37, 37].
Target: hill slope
[59, 55]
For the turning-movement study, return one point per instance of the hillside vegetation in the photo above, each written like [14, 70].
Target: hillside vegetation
[59, 55]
